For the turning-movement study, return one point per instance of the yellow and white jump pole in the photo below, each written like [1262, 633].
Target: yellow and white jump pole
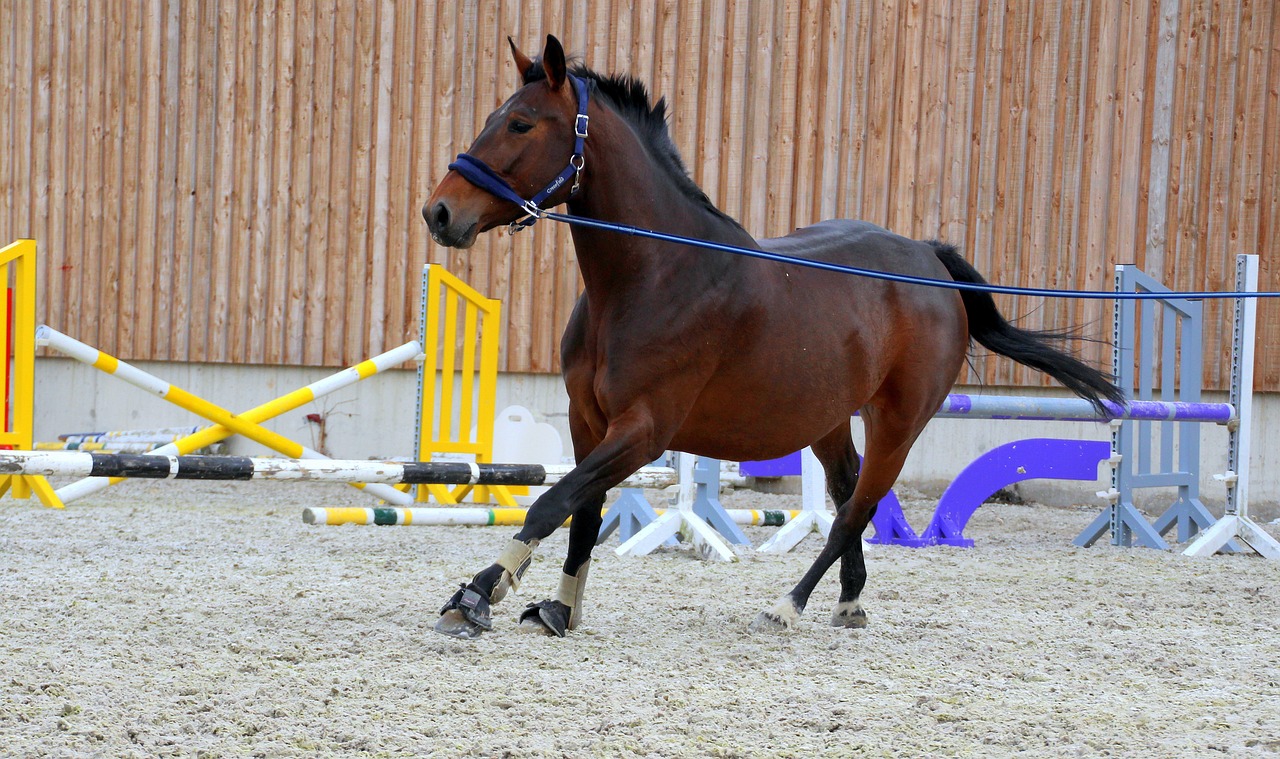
[460, 515]
[226, 423]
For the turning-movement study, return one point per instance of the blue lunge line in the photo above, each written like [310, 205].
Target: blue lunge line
[884, 275]
[478, 173]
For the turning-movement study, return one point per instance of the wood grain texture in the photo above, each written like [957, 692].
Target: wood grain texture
[241, 182]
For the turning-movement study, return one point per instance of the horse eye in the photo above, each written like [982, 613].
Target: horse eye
[520, 127]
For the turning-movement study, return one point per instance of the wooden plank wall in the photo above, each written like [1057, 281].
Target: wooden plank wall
[240, 181]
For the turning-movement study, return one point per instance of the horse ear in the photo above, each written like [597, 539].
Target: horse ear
[523, 64]
[553, 62]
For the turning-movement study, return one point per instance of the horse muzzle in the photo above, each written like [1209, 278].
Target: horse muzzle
[448, 227]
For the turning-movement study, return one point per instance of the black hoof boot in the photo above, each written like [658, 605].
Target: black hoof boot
[466, 615]
[553, 616]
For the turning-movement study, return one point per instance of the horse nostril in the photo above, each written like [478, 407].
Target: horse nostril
[440, 215]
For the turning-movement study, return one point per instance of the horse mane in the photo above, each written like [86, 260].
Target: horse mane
[629, 98]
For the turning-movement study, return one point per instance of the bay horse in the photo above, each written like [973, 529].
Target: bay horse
[673, 347]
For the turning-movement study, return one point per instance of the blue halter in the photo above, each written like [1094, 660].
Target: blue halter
[478, 173]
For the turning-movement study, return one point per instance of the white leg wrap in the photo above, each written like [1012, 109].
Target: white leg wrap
[570, 592]
[514, 561]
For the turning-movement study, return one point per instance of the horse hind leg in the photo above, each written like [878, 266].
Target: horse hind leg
[889, 439]
[840, 461]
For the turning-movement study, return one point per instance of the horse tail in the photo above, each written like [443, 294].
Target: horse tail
[1035, 349]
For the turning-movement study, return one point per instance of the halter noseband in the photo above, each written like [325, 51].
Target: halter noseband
[478, 173]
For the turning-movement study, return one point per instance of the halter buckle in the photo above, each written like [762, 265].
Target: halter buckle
[580, 125]
[531, 215]
[578, 161]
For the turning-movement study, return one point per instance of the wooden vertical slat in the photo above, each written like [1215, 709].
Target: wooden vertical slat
[192, 159]
[303, 145]
[39, 116]
[805, 165]
[390, 149]
[261, 208]
[54, 265]
[276, 237]
[1097, 154]
[882, 95]
[832, 33]
[324, 152]
[683, 100]
[8, 83]
[1222, 185]
[734, 108]
[104, 331]
[142, 290]
[706, 156]
[854, 97]
[169, 191]
[1162, 83]
[72, 273]
[1036, 199]
[403, 201]
[213, 346]
[426, 172]
[1061, 226]
[956, 179]
[131, 129]
[904, 124]
[985, 148]
[759, 104]
[1188, 131]
[1127, 222]
[926, 218]
[1244, 217]
[781, 120]
[364, 114]
[1011, 169]
[339, 235]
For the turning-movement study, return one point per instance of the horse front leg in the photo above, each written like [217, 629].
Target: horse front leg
[558, 615]
[563, 613]
[628, 445]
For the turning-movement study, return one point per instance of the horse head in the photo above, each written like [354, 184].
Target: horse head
[524, 144]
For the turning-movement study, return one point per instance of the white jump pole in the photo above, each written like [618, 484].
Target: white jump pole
[240, 468]
[433, 516]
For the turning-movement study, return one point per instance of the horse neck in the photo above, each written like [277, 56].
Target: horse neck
[624, 184]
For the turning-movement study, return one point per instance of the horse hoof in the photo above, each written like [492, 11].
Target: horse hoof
[768, 622]
[850, 615]
[454, 624]
[551, 616]
[783, 616]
